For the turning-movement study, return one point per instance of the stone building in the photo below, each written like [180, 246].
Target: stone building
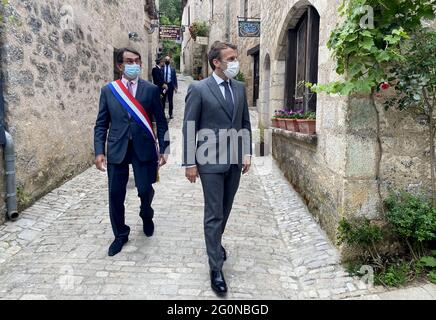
[56, 55]
[222, 19]
[335, 170]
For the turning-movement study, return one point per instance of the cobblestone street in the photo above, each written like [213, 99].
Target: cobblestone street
[58, 249]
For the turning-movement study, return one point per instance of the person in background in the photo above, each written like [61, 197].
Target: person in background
[170, 79]
[158, 78]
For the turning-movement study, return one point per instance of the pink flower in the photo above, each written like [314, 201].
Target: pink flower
[385, 86]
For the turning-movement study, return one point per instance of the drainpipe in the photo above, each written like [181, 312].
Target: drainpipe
[11, 188]
[9, 158]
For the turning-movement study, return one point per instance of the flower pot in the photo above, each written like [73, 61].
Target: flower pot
[282, 124]
[275, 123]
[307, 126]
[292, 125]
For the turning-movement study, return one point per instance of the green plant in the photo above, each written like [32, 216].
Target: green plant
[362, 233]
[240, 77]
[429, 263]
[413, 220]
[365, 53]
[310, 115]
[416, 86]
[393, 276]
[23, 198]
[199, 29]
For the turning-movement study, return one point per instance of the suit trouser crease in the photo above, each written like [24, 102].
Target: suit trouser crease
[118, 178]
[219, 193]
[170, 96]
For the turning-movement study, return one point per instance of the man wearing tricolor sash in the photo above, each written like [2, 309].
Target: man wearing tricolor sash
[127, 109]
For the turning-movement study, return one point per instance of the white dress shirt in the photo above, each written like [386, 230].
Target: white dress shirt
[219, 81]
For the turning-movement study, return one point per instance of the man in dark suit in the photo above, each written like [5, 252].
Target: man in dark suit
[158, 78]
[216, 112]
[170, 78]
[129, 143]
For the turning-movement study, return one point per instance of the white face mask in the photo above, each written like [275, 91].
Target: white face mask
[232, 69]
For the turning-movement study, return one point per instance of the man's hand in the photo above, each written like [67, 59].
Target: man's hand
[176, 90]
[192, 174]
[100, 163]
[247, 164]
[163, 160]
[165, 86]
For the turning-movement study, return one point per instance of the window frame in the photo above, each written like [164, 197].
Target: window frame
[312, 18]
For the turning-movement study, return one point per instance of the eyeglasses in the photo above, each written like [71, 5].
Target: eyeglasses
[131, 61]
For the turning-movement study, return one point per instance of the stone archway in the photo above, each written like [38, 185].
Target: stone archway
[279, 66]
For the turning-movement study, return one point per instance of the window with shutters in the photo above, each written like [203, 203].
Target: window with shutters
[302, 62]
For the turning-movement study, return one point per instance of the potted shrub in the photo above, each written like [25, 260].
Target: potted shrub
[307, 124]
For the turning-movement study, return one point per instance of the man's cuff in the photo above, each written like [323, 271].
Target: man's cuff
[189, 167]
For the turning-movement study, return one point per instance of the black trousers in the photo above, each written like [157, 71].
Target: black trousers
[170, 97]
[118, 175]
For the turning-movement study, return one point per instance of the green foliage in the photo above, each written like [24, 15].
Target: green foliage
[394, 276]
[362, 53]
[412, 217]
[164, 20]
[172, 49]
[416, 73]
[171, 11]
[240, 77]
[360, 232]
[23, 198]
[199, 29]
[429, 263]
[310, 115]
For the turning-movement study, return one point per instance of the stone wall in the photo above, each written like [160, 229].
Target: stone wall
[315, 167]
[223, 27]
[193, 54]
[56, 57]
[245, 44]
[335, 172]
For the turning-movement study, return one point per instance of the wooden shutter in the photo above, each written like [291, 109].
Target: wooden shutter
[302, 62]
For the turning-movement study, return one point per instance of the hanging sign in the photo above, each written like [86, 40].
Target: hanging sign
[170, 33]
[249, 28]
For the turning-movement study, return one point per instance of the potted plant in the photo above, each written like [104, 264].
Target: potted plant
[291, 121]
[279, 119]
[307, 124]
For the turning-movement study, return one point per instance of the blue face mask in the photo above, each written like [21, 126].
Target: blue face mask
[132, 71]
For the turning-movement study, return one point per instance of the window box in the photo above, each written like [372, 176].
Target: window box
[307, 126]
[292, 125]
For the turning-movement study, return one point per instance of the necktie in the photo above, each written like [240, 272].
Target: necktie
[229, 100]
[130, 88]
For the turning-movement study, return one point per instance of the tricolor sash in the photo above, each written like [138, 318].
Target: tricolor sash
[134, 108]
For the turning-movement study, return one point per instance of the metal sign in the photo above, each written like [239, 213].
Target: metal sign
[170, 33]
[249, 28]
[202, 41]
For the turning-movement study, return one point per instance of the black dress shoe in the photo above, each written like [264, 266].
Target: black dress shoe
[116, 246]
[218, 283]
[149, 228]
[224, 253]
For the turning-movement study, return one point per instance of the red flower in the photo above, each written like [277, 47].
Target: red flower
[385, 86]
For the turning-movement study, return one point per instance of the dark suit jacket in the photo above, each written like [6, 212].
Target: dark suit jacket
[207, 116]
[173, 76]
[113, 117]
[158, 77]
